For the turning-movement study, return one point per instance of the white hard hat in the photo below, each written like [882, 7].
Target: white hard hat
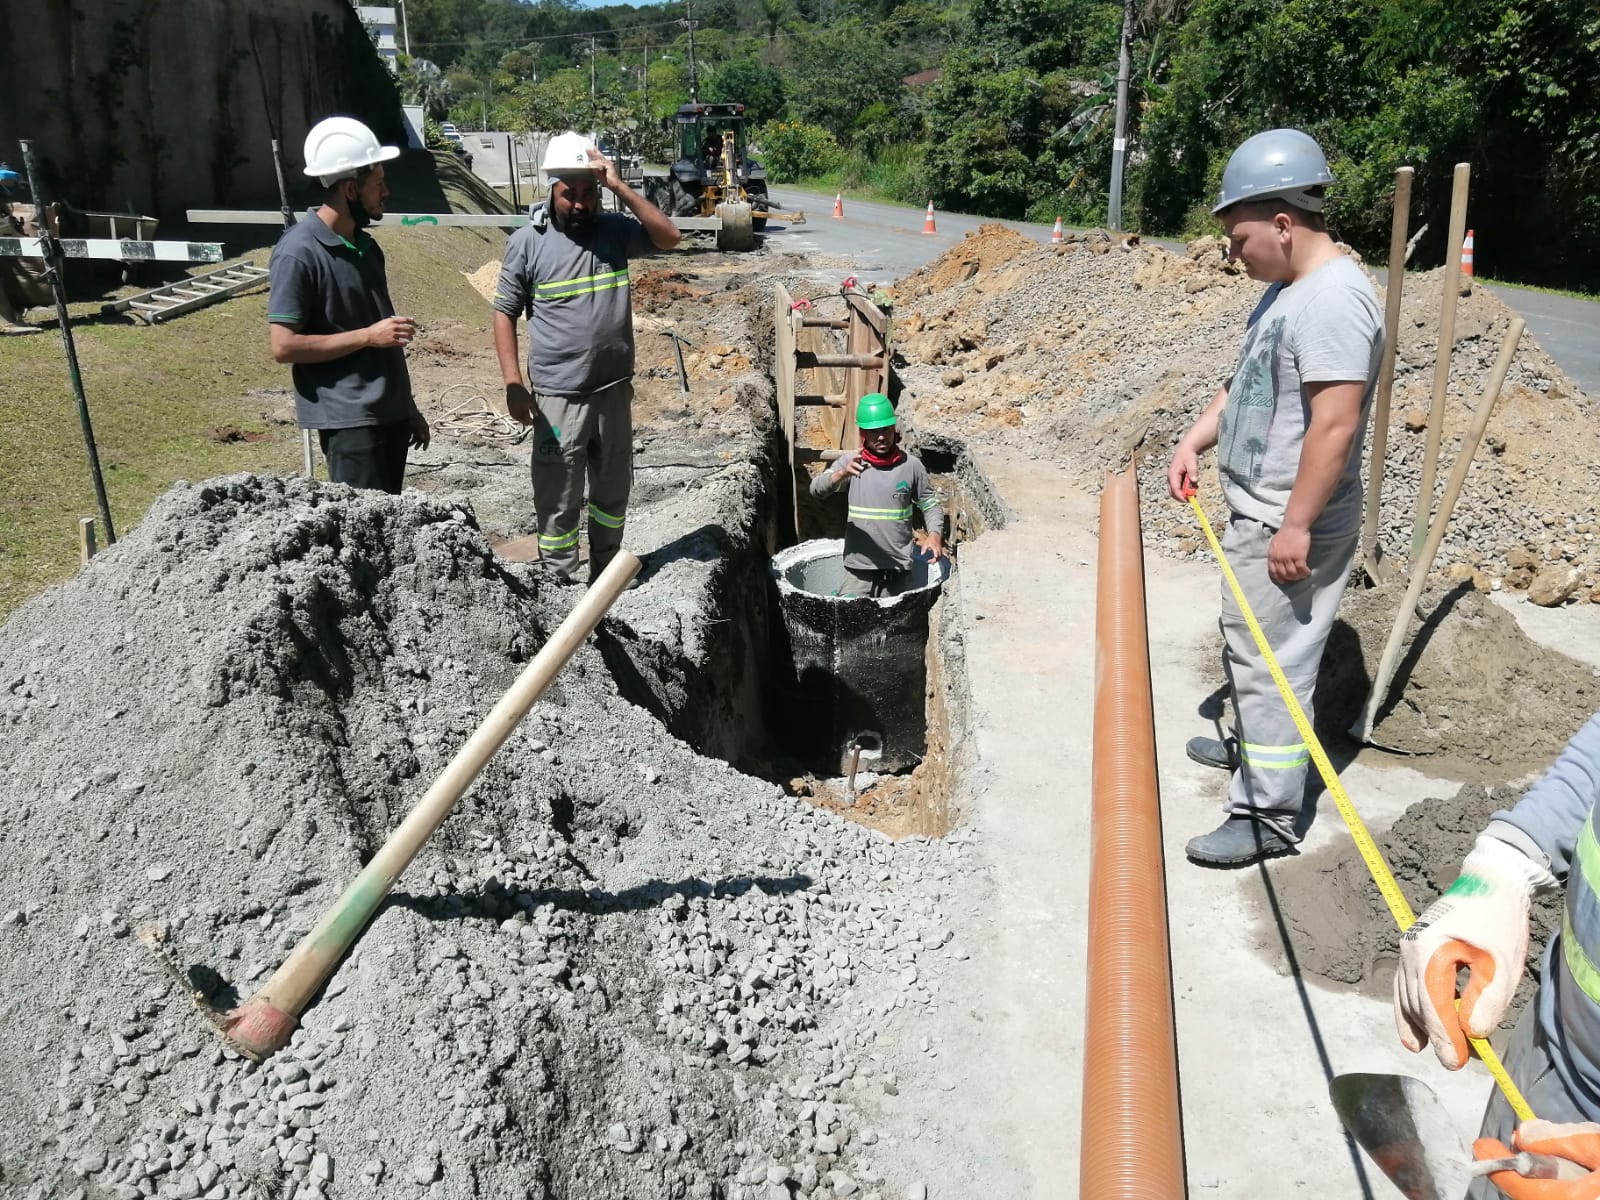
[1280, 163]
[338, 147]
[567, 154]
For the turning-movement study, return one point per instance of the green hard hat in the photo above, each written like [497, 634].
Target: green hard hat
[874, 411]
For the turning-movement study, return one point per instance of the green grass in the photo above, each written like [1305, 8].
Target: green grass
[163, 400]
[1533, 287]
[894, 177]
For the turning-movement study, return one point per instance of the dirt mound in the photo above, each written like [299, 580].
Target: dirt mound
[1472, 688]
[1096, 353]
[484, 278]
[984, 249]
[619, 969]
[1340, 926]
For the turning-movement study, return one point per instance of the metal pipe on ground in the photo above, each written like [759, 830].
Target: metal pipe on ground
[1131, 1146]
[1371, 552]
[1441, 362]
[1362, 730]
[264, 1024]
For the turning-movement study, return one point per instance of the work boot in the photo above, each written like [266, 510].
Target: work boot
[1237, 842]
[1212, 752]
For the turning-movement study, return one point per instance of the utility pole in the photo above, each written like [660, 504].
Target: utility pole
[1119, 142]
[688, 21]
[591, 68]
[405, 29]
[644, 82]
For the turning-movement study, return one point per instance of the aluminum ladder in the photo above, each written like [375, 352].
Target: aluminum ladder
[196, 291]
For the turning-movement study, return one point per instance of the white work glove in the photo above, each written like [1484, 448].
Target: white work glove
[1481, 924]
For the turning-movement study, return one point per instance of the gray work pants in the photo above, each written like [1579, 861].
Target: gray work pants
[577, 439]
[873, 583]
[1297, 617]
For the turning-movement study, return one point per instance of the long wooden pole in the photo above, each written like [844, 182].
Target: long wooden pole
[1441, 363]
[1420, 568]
[58, 289]
[1391, 336]
[265, 1022]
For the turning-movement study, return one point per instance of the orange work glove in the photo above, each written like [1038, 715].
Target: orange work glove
[1481, 924]
[1578, 1143]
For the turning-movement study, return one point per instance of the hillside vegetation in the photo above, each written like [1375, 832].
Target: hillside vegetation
[1005, 107]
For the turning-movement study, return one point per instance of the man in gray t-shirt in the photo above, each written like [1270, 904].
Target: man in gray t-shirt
[567, 270]
[1288, 429]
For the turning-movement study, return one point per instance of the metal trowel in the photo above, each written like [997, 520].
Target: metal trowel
[1407, 1133]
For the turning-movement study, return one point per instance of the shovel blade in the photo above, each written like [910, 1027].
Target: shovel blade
[1406, 1132]
[1378, 569]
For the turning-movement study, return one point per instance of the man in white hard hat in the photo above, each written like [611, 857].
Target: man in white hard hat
[332, 319]
[1288, 428]
[567, 270]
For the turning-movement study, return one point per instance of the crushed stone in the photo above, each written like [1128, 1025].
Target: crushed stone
[619, 968]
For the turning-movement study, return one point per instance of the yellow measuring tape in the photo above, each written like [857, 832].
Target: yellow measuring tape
[1381, 875]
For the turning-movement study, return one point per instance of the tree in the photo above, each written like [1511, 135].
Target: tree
[839, 73]
[424, 84]
[745, 81]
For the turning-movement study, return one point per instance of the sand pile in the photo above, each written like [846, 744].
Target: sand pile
[1092, 353]
[1342, 930]
[619, 969]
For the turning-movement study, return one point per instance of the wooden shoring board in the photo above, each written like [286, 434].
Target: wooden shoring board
[868, 334]
[783, 315]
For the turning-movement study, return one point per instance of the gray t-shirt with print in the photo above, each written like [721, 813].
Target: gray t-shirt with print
[1323, 328]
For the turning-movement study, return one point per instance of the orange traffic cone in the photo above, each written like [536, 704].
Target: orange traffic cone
[838, 206]
[1466, 256]
[1056, 237]
[927, 221]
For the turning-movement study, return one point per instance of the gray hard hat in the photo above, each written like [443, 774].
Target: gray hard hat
[1281, 163]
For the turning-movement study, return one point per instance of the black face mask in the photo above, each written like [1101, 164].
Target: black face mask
[358, 211]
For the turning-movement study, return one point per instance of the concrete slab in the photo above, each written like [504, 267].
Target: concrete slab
[1258, 1042]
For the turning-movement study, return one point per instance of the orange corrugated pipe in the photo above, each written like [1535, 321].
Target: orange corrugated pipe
[1132, 1144]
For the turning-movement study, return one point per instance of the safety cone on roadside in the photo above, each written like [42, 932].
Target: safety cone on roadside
[1056, 237]
[838, 206]
[1466, 256]
[927, 221]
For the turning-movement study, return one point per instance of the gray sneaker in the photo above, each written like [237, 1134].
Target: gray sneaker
[1212, 752]
[1237, 842]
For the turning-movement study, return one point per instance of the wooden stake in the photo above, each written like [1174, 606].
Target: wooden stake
[86, 546]
[1371, 552]
[1362, 730]
[1441, 364]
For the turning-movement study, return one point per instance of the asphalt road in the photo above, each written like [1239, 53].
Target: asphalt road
[884, 242]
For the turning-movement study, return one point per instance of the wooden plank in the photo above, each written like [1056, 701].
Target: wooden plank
[783, 370]
[86, 543]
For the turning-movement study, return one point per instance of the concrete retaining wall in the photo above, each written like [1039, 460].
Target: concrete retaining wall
[163, 105]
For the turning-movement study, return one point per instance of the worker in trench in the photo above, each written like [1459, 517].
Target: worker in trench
[567, 269]
[1480, 925]
[887, 486]
[332, 320]
[1288, 428]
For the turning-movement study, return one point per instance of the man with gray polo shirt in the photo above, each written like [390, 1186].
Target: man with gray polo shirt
[1288, 429]
[332, 319]
[568, 271]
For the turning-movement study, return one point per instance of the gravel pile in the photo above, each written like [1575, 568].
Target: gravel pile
[619, 969]
[1096, 352]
